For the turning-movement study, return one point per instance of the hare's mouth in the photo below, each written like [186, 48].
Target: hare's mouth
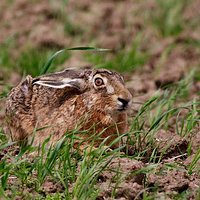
[122, 108]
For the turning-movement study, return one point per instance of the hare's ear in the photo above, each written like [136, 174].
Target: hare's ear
[26, 85]
[76, 83]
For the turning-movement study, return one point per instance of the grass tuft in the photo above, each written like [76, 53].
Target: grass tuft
[168, 17]
[124, 61]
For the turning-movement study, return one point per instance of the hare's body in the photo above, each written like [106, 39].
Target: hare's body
[53, 104]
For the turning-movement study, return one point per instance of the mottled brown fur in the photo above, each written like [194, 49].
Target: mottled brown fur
[69, 100]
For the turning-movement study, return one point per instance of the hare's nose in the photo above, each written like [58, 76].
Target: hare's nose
[123, 101]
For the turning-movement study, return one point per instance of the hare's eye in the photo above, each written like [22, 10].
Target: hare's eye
[98, 81]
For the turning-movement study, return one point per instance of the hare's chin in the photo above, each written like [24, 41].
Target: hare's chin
[122, 109]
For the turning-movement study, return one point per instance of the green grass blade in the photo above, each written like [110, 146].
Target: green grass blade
[46, 67]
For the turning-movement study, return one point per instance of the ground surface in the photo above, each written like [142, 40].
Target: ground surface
[156, 46]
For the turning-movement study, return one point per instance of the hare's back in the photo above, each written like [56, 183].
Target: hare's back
[51, 98]
[59, 109]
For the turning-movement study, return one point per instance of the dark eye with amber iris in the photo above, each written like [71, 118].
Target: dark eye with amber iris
[98, 81]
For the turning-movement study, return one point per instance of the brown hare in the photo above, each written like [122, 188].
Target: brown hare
[67, 100]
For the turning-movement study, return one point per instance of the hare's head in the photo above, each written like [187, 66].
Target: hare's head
[106, 86]
[110, 86]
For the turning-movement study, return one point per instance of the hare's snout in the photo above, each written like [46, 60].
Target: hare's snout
[123, 104]
[123, 99]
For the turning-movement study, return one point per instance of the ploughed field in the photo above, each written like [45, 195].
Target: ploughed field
[156, 47]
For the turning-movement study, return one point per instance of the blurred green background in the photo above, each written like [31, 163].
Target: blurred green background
[151, 33]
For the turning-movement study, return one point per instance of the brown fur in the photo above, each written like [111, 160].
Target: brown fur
[80, 104]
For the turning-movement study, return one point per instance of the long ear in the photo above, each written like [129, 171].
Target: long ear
[71, 78]
[76, 83]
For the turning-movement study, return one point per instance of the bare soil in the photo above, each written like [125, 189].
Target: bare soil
[114, 24]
